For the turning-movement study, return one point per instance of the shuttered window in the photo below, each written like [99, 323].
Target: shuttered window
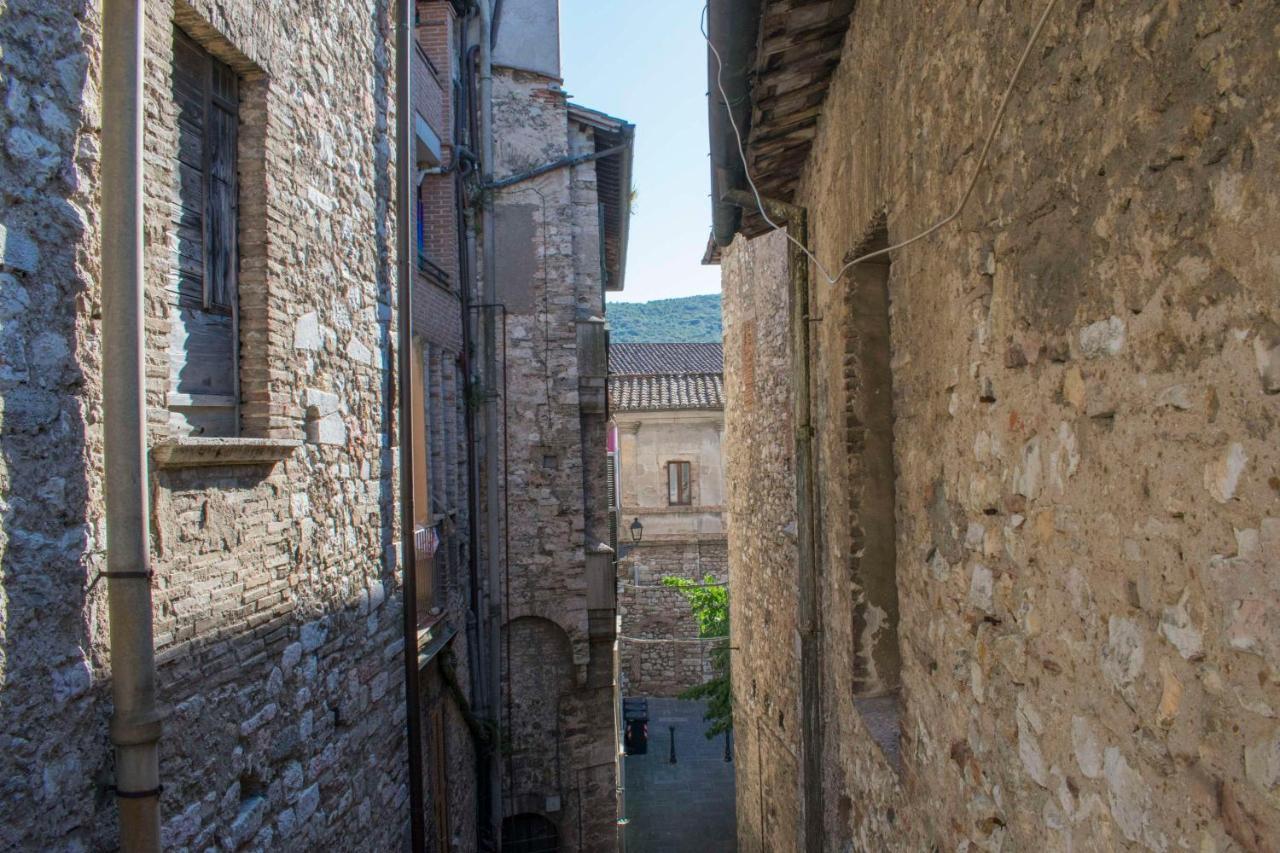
[611, 474]
[679, 486]
[204, 385]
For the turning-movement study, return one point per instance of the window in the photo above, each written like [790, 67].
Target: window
[679, 484]
[204, 388]
[420, 219]
[429, 558]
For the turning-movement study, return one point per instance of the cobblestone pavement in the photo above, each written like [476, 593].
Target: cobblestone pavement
[686, 807]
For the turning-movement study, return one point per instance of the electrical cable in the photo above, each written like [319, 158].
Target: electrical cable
[672, 639]
[964, 199]
[676, 588]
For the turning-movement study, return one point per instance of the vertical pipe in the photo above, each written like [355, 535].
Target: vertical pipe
[477, 667]
[404, 372]
[490, 298]
[806, 511]
[135, 720]
[619, 728]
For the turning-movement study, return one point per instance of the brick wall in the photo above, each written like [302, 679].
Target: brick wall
[437, 301]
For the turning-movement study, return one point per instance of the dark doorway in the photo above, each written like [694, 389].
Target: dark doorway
[529, 833]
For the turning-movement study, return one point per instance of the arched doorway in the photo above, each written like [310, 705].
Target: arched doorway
[529, 833]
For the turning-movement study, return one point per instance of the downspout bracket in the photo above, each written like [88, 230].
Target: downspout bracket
[136, 795]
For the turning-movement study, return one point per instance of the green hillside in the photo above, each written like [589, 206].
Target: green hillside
[688, 320]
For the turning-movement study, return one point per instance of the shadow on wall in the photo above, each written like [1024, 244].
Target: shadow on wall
[55, 755]
[384, 140]
[538, 674]
[52, 713]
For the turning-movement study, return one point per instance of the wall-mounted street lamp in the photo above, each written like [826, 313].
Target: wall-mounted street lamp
[637, 531]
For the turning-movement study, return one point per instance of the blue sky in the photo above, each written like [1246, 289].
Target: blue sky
[646, 62]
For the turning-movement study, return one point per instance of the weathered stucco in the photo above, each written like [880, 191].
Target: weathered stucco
[1085, 436]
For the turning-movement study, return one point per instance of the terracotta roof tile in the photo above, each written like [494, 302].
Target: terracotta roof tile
[653, 359]
[666, 391]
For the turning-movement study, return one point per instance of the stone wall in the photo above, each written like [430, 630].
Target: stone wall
[554, 483]
[1084, 426]
[762, 547]
[650, 611]
[55, 701]
[277, 608]
[679, 541]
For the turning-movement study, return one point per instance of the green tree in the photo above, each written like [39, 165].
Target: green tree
[710, 604]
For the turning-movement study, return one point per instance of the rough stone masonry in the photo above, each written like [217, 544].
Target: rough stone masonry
[276, 605]
[1080, 634]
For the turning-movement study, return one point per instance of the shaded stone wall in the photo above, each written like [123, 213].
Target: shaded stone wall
[277, 610]
[55, 701]
[555, 500]
[762, 547]
[1085, 428]
[664, 669]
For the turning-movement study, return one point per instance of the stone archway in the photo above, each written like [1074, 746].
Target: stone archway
[539, 671]
[529, 833]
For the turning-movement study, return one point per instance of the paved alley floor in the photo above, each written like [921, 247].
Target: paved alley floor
[686, 807]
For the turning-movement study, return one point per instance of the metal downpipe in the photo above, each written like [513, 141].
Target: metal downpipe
[135, 719]
[404, 356]
[493, 539]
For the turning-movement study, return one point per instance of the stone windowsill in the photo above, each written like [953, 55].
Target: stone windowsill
[432, 640]
[205, 452]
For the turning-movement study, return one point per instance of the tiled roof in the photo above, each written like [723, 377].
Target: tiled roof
[653, 359]
[666, 391]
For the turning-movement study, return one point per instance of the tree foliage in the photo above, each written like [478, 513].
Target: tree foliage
[710, 606]
[687, 320]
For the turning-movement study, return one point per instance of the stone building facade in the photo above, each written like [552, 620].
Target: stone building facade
[277, 611]
[1004, 505]
[667, 407]
[561, 205]
[450, 659]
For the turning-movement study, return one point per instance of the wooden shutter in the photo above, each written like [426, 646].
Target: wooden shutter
[611, 473]
[220, 180]
[679, 487]
[204, 386]
[439, 780]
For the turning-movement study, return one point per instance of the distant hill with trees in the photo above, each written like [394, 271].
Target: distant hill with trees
[687, 320]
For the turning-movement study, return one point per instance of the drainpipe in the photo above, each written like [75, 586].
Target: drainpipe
[807, 519]
[404, 352]
[493, 540]
[135, 719]
[477, 670]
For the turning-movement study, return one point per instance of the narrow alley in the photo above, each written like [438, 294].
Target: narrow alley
[553, 426]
